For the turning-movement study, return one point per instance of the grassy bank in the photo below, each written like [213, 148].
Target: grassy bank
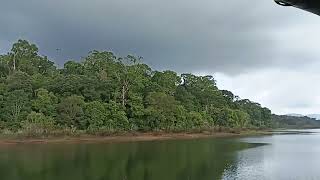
[85, 137]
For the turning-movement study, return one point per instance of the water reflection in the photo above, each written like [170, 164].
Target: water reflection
[205, 159]
[287, 157]
[278, 157]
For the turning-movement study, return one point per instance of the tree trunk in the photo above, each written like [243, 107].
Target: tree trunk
[14, 62]
[125, 89]
[123, 95]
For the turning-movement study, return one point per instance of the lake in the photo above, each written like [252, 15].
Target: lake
[283, 157]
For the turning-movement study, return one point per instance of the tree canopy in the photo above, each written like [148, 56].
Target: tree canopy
[106, 92]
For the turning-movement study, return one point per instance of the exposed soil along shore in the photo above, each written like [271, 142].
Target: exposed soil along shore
[127, 137]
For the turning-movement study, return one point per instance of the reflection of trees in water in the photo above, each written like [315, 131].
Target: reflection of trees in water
[167, 160]
[247, 164]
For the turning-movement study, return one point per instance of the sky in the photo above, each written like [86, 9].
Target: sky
[257, 49]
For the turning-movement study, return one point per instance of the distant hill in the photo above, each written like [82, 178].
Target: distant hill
[294, 122]
[295, 115]
[315, 116]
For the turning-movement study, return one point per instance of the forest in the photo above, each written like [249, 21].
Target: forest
[106, 93]
[294, 122]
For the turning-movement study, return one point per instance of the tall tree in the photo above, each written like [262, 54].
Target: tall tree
[23, 53]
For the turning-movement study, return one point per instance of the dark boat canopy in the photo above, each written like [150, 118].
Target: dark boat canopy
[308, 5]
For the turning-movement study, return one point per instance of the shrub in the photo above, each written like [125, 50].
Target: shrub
[37, 124]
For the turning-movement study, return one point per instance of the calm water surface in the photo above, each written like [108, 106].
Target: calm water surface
[283, 157]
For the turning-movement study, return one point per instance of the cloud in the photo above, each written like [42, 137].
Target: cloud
[184, 35]
[284, 91]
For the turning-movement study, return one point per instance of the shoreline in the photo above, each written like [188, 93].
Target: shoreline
[127, 137]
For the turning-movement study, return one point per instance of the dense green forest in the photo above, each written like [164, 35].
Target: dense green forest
[106, 93]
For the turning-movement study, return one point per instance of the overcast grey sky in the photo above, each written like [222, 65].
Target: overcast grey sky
[260, 51]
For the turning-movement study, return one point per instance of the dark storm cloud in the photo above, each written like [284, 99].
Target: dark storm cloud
[208, 35]
[257, 49]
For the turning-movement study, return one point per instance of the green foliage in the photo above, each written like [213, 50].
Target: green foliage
[72, 67]
[195, 119]
[37, 124]
[45, 102]
[107, 116]
[165, 82]
[161, 110]
[70, 112]
[24, 57]
[259, 117]
[19, 81]
[106, 93]
[164, 112]
[16, 107]
[4, 66]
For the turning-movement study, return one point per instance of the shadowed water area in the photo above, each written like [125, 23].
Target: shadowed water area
[286, 156]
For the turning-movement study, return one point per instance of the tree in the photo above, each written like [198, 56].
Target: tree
[65, 86]
[70, 112]
[187, 99]
[205, 91]
[3, 93]
[118, 116]
[132, 77]
[39, 81]
[45, 102]
[24, 57]
[196, 120]
[37, 124]
[163, 111]
[20, 81]
[259, 116]
[16, 107]
[44, 66]
[166, 82]
[107, 116]
[96, 115]
[72, 67]
[98, 61]
[23, 53]
[4, 66]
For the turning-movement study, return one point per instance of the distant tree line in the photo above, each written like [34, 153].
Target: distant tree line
[104, 92]
[294, 122]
